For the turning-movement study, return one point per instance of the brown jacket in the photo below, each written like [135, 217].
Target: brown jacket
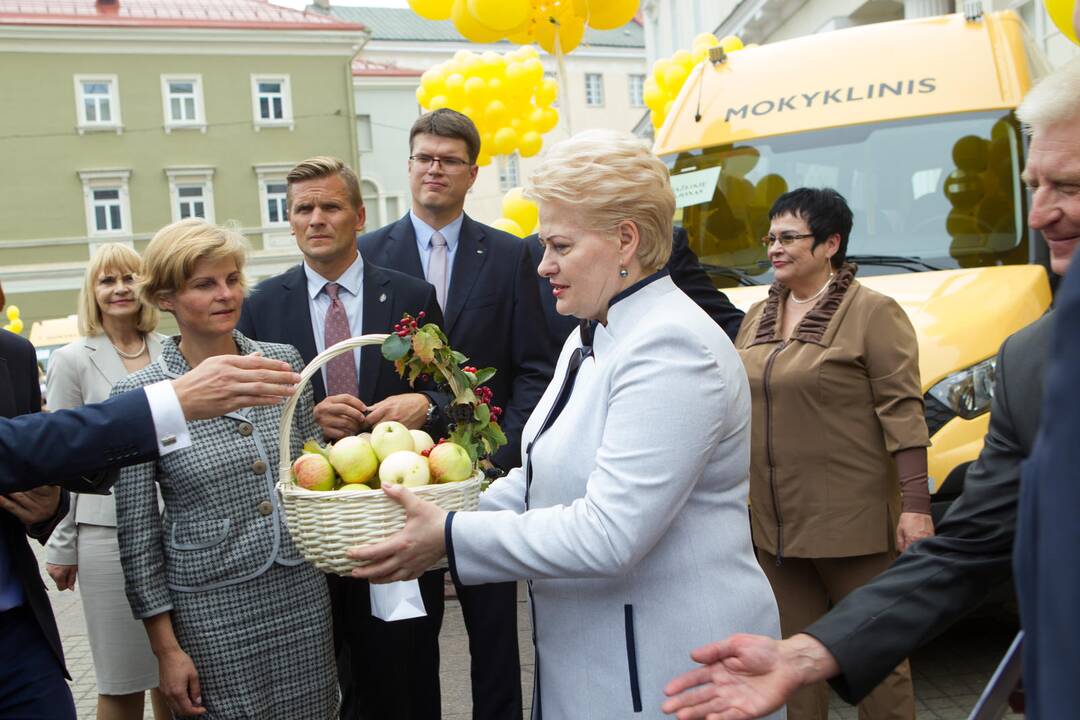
[829, 408]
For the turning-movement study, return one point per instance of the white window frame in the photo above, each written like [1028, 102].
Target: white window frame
[286, 102]
[635, 89]
[171, 123]
[190, 176]
[115, 179]
[115, 123]
[599, 101]
[509, 171]
[275, 234]
[364, 144]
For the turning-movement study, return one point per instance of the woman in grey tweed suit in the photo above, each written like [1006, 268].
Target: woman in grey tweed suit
[629, 513]
[240, 624]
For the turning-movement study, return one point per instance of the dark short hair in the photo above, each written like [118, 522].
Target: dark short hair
[824, 210]
[448, 123]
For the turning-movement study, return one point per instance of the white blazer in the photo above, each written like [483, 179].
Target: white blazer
[80, 373]
[637, 537]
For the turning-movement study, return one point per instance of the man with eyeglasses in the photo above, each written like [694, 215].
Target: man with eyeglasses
[486, 285]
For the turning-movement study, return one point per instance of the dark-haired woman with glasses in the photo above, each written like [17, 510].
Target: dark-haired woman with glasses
[838, 478]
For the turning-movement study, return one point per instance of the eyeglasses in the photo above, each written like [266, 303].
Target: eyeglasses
[448, 164]
[784, 239]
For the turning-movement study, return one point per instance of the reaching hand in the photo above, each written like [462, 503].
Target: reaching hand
[340, 416]
[409, 553]
[912, 527]
[225, 383]
[63, 575]
[32, 506]
[747, 676]
[179, 681]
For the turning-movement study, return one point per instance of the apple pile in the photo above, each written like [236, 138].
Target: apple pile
[390, 453]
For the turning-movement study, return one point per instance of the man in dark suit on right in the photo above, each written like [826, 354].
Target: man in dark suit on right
[939, 579]
[486, 286]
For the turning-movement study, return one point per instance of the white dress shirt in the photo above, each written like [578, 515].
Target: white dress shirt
[450, 233]
[170, 425]
[350, 295]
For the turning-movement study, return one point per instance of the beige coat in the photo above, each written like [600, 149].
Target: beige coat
[829, 408]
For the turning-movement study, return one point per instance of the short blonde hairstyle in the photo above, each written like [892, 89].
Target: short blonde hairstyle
[322, 166]
[175, 249]
[118, 259]
[1054, 100]
[609, 176]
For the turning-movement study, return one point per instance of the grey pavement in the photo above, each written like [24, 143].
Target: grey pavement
[949, 673]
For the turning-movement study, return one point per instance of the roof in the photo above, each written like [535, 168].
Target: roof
[362, 67]
[216, 14]
[405, 25]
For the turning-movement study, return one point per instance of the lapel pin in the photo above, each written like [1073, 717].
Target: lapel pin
[479, 252]
[382, 298]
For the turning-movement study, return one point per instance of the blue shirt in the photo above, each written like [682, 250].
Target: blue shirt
[350, 295]
[451, 232]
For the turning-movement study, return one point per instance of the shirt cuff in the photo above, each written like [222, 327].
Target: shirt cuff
[448, 529]
[169, 423]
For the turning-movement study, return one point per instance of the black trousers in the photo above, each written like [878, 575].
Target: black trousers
[390, 670]
[32, 685]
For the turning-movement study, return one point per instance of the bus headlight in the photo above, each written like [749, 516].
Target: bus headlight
[968, 392]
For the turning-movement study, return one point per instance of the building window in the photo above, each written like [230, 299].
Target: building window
[594, 89]
[191, 192]
[273, 206]
[277, 204]
[363, 133]
[272, 102]
[108, 212]
[508, 171]
[97, 99]
[183, 100]
[637, 91]
[369, 194]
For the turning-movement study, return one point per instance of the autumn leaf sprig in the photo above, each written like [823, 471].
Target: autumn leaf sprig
[422, 352]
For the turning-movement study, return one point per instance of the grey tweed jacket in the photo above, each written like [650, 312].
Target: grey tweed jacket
[223, 523]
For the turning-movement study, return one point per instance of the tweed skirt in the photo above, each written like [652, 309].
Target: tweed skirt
[123, 662]
[262, 648]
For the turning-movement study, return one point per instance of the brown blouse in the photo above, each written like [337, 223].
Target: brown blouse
[830, 406]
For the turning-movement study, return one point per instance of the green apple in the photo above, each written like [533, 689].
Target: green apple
[389, 437]
[354, 486]
[354, 459]
[314, 472]
[405, 467]
[450, 462]
[421, 440]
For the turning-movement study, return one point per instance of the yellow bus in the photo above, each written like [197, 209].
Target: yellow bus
[912, 121]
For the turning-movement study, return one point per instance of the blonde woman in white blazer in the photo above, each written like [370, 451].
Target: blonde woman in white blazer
[119, 339]
[628, 516]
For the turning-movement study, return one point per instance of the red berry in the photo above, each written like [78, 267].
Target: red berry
[422, 314]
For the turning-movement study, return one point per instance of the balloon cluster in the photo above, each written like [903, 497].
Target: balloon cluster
[519, 214]
[527, 21]
[1062, 13]
[15, 323]
[506, 96]
[669, 74]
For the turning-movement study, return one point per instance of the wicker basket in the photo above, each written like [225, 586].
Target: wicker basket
[324, 524]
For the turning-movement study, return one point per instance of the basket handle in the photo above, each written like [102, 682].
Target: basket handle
[285, 431]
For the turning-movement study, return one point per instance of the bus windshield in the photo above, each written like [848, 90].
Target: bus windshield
[932, 193]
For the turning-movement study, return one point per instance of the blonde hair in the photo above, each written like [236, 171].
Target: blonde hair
[119, 259]
[175, 249]
[322, 166]
[608, 177]
[1055, 99]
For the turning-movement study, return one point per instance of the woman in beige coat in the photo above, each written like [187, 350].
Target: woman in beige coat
[838, 480]
[118, 339]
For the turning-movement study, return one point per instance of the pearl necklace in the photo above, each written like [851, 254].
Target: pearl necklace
[130, 356]
[815, 296]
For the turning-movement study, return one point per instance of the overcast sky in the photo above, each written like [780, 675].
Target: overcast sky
[301, 4]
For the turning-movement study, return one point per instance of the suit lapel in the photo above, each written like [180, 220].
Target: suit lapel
[106, 359]
[468, 262]
[296, 321]
[399, 251]
[378, 305]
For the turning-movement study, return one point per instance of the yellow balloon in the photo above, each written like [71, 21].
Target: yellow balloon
[12, 312]
[438, 102]
[422, 96]
[546, 92]
[684, 58]
[476, 90]
[517, 208]
[432, 9]
[15, 326]
[567, 27]
[731, 43]
[470, 27]
[530, 143]
[673, 79]
[528, 52]
[455, 87]
[483, 159]
[611, 14]
[495, 114]
[508, 225]
[472, 113]
[534, 70]
[654, 95]
[515, 72]
[432, 80]
[1065, 13]
[505, 141]
[502, 15]
[706, 40]
[544, 119]
[495, 87]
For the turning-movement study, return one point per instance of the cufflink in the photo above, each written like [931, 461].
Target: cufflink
[168, 440]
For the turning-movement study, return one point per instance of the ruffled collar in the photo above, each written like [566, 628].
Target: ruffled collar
[814, 324]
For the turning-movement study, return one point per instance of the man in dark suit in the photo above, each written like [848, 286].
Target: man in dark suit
[486, 284]
[686, 272]
[298, 308]
[937, 580]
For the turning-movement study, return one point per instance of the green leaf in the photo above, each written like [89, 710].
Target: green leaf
[484, 374]
[395, 347]
[312, 446]
[459, 358]
[425, 345]
[483, 415]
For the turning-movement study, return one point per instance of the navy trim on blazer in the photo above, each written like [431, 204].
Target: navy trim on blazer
[638, 285]
[448, 530]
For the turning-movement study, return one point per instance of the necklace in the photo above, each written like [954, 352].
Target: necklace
[815, 296]
[130, 356]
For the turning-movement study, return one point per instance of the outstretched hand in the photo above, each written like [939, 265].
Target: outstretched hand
[224, 383]
[407, 554]
[747, 676]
